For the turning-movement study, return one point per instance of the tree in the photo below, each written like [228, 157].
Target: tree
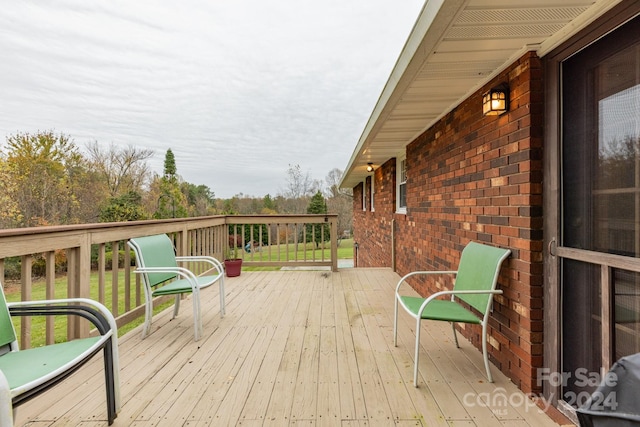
[230, 206]
[200, 199]
[317, 233]
[340, 201]
[127, 207]
[122, 169]
[269, 205]
[300, 186]
[10, 214]
[44, 169]
[172, 203]
[170, 169]
[332, 181]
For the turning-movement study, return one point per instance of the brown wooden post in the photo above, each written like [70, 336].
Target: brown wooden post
[50, 284]
[334, 243]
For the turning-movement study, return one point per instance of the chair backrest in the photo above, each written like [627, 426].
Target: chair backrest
[478, 270]
[154, 251]
[7, 332]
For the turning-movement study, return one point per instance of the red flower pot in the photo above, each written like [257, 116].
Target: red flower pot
[233, 267]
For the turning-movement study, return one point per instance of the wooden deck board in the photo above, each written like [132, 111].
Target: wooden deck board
[295, 348]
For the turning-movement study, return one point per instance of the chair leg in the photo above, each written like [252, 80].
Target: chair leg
[176, 306]
[148, 313]
[455, 335]
[415, 366]
[197, 316]
[110, 383]
[395, 323]
[222, 309]
[485, 352]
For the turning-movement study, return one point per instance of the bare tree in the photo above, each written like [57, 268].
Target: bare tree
[122, 169]
[299, 189]
[332, 181]
[299, 184]
[339, 201]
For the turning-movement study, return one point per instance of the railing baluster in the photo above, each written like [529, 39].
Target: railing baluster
[127, 277]
[25, 288]
[114, 278]
[101, 272]
[50, 293]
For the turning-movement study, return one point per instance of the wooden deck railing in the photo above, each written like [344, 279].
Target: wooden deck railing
[92, 260]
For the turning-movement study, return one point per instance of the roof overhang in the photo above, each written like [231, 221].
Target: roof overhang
[454, 49]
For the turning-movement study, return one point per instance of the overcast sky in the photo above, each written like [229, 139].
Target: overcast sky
[238, 89]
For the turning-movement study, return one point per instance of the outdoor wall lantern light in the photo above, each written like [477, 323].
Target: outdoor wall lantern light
[496, 101]
[369, 167]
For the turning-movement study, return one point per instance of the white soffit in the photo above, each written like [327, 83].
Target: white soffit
[456, 47]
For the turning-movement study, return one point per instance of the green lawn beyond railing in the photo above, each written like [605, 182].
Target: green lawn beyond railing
[288, 252]
[38, 291]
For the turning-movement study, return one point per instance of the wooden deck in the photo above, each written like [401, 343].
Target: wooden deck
[295, 348]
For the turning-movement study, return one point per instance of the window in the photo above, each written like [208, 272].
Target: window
[372, 190]
[401, 186]
[364, 195]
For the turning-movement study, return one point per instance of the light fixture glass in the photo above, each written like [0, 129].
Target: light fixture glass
[496, 101]
[369, 167]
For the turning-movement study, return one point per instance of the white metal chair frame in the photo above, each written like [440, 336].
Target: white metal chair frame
[475, 257]
[189, 282]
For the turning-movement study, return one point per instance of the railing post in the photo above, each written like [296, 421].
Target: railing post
[183, 242]
[115, 258]
[84, 277]
[50, 293]
[72, 291]
[334, 244]
[79, 282]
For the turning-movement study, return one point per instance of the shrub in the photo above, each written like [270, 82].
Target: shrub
[13, 265]
[109, 258]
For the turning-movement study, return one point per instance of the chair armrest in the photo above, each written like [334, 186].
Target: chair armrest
[454, 293]
[95, 312]
[181, 271]
[211, 260]
[416, 273]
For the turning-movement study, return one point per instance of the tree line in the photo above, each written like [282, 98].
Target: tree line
[45, 179]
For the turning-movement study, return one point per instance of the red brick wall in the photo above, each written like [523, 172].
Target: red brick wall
[373, 233]
[471, 177]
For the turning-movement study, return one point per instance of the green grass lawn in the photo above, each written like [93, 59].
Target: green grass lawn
[38, 290]
[285, 252]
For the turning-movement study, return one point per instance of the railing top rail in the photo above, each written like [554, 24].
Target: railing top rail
[229, 219]
[28, 231]
[23, 241]
[279, 219]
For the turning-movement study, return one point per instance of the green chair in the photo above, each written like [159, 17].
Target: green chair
[158, 264]
[475, 285]
[24, 374]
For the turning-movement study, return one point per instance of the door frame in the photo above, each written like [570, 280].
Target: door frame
[554, 251]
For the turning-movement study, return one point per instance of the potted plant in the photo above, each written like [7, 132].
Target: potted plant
[232, 263]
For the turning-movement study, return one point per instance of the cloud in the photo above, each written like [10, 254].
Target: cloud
[237, 89]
